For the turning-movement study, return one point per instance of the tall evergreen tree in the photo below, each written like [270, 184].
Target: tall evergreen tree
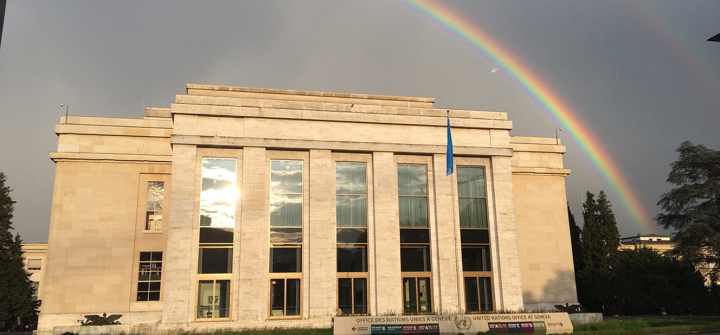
[592, 241]
[608, 229]
[16, 290]
[575, 242]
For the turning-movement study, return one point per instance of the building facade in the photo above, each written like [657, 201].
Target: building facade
[660, 243]
[264, 206]
[34, 258]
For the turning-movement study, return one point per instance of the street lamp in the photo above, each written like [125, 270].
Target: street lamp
[67, 107]
[557, 139]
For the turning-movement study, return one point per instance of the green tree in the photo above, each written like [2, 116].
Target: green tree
[692, 207]
[600, 243]
[592, 240]
[16, 290]
[575, 242]
[608, 229]
[648, 281]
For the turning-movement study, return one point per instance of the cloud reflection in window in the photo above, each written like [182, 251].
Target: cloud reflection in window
[218, 192]
[286, 181]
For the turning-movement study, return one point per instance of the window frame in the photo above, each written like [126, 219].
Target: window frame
[417, 274]
[367, 161]
[473, 245]
[214, 279]
[149, 280]
[202, 155]
[302, 157]
[141, 211]
[156, 227]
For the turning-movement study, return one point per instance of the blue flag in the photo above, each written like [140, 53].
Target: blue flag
[449, 163]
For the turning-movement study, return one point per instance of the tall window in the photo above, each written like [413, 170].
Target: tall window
[475, 240]
[218, 196]
[286, 218]
[414, 239]
[36, 290]
[154, 205]
[149, 277]
[351, 222]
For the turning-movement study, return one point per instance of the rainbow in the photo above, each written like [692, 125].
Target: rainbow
[544, 95]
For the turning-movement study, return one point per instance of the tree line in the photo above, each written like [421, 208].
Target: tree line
[643, 281]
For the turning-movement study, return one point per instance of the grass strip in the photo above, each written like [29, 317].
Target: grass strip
[641, 327]
[265, 331]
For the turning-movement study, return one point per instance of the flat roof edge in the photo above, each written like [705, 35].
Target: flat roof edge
[309, 93]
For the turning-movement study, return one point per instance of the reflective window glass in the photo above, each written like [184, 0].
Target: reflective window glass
[285, 260]
[350, 235]
[471, 196]
[286, 199]
[285, 236]
[352, 259]
[216, 235]
[149, 276]
[474, 236]
[213, 299]
[415, 259]
[475, 258]
[215, 260]
[284, 297]
[218, 192]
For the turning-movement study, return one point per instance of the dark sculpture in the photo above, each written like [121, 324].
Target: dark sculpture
[569, 309]
[104, 320]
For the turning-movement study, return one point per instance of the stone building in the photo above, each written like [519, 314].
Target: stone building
[34, 258]
[267, 207]
[660, 243]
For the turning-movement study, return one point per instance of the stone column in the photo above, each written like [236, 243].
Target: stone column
[447, 237]
[254, 236]
[388, 280]
[321, 251]
[177, 288]
[508, 284]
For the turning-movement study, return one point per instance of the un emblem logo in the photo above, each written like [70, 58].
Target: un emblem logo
[463, 322]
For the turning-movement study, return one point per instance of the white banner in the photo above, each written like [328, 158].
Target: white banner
[527, 323]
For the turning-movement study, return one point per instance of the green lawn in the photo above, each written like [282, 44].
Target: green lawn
[277, 331]
[648, 325]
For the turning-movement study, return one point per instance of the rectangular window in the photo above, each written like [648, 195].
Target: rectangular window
[472, 199]
[218, 197]
[154, 205]
[352, 242]
[150, 276]
[478, 294]
[34, 264]
[414, 239]
[286, 237]
[475, 239]
[352, 296]
[213, 299]
[416, 295]
[412, 192]
[284, 297]
[286, 215]
[36, 290]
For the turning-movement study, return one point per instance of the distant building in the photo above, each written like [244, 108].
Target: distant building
[245, 206]
[34, 256]
[661, 243]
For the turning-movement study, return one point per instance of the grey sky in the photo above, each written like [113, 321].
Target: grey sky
[639, 73]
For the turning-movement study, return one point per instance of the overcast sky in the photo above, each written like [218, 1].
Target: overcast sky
[639, 73]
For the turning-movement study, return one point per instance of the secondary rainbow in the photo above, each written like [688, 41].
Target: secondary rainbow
[540, 91]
